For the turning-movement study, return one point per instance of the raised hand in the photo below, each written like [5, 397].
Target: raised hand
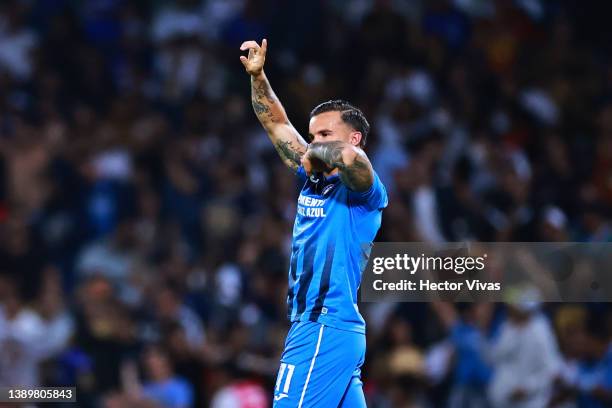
[257, 56]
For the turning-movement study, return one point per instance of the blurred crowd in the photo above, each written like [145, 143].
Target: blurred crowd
[145, 219]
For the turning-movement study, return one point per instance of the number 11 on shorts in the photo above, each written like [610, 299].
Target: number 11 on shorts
[289, 368]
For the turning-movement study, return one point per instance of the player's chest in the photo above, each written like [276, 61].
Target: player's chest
[318, 200]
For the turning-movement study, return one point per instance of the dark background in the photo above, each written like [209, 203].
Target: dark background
[145, 219]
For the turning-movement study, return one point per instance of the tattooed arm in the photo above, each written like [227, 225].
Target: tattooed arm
[353, 164]
[270, 112]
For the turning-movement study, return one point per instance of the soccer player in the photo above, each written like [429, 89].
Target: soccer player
[338, 214]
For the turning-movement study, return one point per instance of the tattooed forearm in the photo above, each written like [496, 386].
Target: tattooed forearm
[356, 173]
[259, 108]
[265, 103]
[262, 89]
[329, 153]
[358, 176]
[271, 114]
[291, 155]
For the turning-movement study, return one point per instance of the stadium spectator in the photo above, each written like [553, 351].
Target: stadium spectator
[524, 358]
[469, 326]
[237, 390]
[162, 385]
[27, 336]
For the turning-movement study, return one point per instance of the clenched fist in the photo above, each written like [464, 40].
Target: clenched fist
[313, 164]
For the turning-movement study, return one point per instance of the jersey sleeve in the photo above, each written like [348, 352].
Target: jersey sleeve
[375, 198]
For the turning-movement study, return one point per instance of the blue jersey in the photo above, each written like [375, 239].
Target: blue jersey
[592, 376]
[332, 237]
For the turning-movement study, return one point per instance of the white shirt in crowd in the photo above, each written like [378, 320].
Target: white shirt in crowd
[524, 357]
[27, 340]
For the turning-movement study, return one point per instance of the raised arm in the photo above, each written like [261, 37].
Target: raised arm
[271, 114]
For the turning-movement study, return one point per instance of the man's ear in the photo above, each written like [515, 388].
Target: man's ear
[355, 138]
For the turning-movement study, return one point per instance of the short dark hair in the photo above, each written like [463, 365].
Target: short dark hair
[350, 115]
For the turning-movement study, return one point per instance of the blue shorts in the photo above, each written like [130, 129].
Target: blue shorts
[320, 367]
